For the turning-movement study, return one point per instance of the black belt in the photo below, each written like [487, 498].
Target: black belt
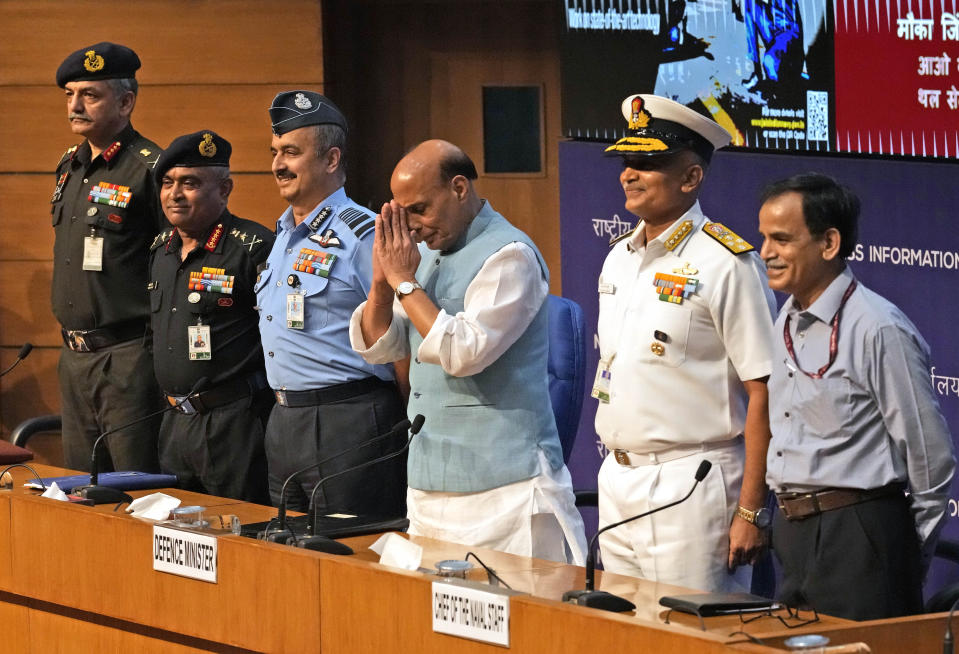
[220, 395]
[91, 340]
[335, 393]
[796, 506]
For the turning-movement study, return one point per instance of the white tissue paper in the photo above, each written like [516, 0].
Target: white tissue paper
[53, 492]
[397, 552]
[156, 506]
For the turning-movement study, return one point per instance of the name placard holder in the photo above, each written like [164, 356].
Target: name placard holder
[468, 610]
[185, 553]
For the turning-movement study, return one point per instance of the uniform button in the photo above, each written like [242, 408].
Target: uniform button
[779, 453]
[170, 348]
[271, 354]
[173, 310]
[437, 262]
[278, 283]
[289, 251]
[790, 374]
[67, 262]
[801, 334]
[787, 414]
[269, 317]
[73, 219]
[70, 304]
[86, 180]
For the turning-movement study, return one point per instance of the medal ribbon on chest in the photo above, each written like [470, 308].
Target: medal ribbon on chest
[111, 194]
[211, 280]
[314, 262]
[674, 288]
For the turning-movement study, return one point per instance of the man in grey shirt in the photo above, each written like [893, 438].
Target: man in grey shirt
[855, 421]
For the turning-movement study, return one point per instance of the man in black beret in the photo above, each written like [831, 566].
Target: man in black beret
[328, 398]
[205, 326]
[105, 215]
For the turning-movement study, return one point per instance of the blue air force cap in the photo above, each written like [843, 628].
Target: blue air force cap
[196, 150]
[294, 109]
[99, 61]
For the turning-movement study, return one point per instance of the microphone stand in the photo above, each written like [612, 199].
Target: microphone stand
[281, 533]
[328, 545]
[25, 350]
[599, 599]
[105, 494]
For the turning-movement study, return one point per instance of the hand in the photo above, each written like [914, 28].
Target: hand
[395, 253]
[746, 543]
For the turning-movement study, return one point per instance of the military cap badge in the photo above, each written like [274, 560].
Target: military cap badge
[207, 146]
[93, 61]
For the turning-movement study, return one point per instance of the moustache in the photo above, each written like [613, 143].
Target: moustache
[76, 116]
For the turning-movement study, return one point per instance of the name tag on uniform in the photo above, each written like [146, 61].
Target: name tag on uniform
[93, 253]
[602, 382]
[294, 311]
[606, 288]
[199, 341]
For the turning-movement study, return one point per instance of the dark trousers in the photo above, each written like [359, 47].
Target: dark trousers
[104, 390]
[298, 436]
[220, 452]
[859, 562]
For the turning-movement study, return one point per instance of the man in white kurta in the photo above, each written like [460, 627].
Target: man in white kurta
[685, 335]
[487, 469]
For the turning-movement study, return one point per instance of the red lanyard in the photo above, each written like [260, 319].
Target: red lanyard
[833, 337]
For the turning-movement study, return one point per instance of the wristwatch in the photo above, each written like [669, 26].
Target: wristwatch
[762, 517]
[405, 288]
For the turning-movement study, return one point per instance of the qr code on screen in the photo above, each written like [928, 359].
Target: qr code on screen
[817, 116]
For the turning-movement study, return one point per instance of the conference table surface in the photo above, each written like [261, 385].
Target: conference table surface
[73, 569]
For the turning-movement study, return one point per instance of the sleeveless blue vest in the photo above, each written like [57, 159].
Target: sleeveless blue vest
[485, 430]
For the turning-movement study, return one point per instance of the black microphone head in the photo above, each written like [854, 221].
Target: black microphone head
[199, 386]
[417, 423]
[25, 350]
[703, 470]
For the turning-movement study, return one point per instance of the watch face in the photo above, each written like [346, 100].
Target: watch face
[405, 288]
[764, 518]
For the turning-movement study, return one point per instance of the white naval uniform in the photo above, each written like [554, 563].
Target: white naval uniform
[672, 409]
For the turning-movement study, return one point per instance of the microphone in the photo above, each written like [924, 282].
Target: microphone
[328, 545]
[281, 533]
[599, 599]
[947, 641]
[104, 494]
[21, 355]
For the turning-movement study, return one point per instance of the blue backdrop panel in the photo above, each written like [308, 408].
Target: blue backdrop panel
[908, 251]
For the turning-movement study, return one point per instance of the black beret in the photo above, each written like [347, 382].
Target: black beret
[199, 149]
[294, 109]
[100, 61]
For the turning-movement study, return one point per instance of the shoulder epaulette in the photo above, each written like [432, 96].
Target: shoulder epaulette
[68, 154]
[146, 150]
[358, 221]
[616, 239]
[161, 238]
[678, 235]
[727, 238]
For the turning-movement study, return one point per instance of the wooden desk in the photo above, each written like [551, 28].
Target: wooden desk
[80, 579]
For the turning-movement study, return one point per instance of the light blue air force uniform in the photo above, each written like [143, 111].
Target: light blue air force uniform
[319, 355]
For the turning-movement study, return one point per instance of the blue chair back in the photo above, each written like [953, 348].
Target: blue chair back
[566, 367]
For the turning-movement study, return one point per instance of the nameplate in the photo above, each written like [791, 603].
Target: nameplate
[468, 612]
[184, 553]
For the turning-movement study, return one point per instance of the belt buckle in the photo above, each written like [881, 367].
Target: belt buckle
[185, 407]
[280, 397]
[622, 457]
[78, 342]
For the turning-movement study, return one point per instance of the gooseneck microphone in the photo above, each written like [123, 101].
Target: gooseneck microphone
[947, 641]
[104, 494]
[24, 352]
[281, 533]
[599, 599]
[328, 545]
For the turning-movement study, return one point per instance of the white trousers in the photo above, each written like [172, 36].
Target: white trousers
[685, 545]
[535, 517]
